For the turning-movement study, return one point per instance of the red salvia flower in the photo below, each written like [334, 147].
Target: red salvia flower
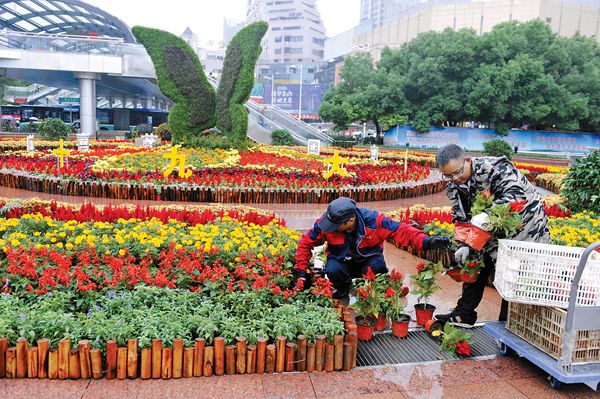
[370, 276]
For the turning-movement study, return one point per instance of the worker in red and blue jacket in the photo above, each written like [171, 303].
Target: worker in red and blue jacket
[355, 238]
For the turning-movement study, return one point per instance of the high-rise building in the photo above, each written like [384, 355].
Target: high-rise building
[381, 11]
[296, 33]
[190, 38]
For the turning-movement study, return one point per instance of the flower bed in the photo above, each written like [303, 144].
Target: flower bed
[261, 175]
[550, 181]
[580, 229]
[12, 144]
[131, 285]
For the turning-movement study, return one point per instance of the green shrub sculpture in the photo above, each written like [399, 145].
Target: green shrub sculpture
[580, 187]
[181, 78]
[238, 79]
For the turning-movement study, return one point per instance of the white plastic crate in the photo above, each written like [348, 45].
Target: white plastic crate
[542, 274]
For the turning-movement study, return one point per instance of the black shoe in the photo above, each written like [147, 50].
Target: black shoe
[339, 294]
[456, 319]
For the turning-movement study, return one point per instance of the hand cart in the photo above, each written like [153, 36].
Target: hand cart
[578, 318]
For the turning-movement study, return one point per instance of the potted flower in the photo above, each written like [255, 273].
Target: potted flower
[467, 273]
[367, 305]
[426, 282]
[454, 340]
[394, 302]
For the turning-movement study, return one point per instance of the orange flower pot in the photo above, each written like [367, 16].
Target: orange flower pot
[424, 312]
[400, 326]
[461, 231]
[365, 327]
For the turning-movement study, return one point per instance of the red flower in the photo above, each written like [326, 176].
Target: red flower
[389, 292]
[419, 267]
[362, 293]
[396, 275]
[517, 206]
[463, 348]
[404, 292]
[370, 276]
[486, 194]
[473, 264]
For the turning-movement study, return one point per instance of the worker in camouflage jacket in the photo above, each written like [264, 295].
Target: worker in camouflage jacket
[466, 178]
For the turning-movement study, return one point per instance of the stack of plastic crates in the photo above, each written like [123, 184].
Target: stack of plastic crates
[536, 280]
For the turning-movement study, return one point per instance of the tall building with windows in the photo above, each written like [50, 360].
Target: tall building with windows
[296, 33]
[381, 11]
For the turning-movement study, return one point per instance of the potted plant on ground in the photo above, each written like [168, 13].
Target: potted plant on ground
[426, 282]
[394, 302]
[454, 340]
[367, 305]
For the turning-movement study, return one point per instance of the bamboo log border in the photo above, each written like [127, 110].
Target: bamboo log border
[172, 193]
[158, 361]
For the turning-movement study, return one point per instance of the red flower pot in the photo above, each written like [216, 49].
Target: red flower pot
[424, 312]
[400, 326]
[477, 238]
[471, 235]
[380, 324]
[468, 279]
[461, 231]
[365, 327]
[455, 274]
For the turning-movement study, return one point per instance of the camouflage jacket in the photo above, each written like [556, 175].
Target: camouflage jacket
[507, 184]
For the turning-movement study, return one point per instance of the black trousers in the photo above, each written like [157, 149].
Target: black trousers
[473, 292]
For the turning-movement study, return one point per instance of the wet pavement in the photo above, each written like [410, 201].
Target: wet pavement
[502, 377]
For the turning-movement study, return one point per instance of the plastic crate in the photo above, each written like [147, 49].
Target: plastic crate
[543, 327]
[541, 274]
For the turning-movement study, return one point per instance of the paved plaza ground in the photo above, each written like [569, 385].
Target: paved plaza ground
[509, 377]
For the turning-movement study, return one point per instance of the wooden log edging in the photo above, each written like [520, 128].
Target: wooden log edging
[79, 361]
[147, 192]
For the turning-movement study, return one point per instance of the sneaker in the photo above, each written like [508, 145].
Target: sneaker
[456, 319]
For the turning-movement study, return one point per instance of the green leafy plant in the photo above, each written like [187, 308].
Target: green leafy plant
[580, 187]
[498, 148]
[281, 137]
[54, 129]
[505, 219]
[483, 200]
[454, 340]
[369, 300]
[164, 131]
[472, 267]
[426, 280]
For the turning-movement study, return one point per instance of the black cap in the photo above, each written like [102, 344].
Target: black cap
[338, 212]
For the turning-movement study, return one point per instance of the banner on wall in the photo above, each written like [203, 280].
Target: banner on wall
[473, 139]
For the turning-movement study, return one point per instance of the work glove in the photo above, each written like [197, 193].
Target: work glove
[305, 276]
[435, 242]
[461, 255]
[481, 220]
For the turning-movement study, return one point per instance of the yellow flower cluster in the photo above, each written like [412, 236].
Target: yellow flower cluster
[580, 230]
[143, 237]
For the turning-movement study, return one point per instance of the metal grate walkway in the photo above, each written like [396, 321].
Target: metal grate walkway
[418, 347]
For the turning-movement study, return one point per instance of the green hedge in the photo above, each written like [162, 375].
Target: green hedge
[281, 137]
[53, 129]
[580, 187]
[240, 73]
[182, 79]
[498, 148]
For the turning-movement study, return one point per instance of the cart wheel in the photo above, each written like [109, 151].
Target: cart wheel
[503, 349]
[554, 383]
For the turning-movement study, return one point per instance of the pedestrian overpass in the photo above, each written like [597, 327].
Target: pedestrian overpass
[69, 44]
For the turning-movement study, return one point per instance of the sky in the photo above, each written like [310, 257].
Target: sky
[205, 17]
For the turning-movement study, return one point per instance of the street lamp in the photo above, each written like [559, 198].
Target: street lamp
[300, 100]
[272, 79]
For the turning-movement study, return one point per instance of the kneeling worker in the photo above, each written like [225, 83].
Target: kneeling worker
[355, 238]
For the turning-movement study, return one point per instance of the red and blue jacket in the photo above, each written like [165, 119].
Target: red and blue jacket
[373, 230]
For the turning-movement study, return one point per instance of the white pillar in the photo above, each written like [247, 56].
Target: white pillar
[87, 101]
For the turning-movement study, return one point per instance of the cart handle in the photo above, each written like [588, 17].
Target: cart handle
[575, 285]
